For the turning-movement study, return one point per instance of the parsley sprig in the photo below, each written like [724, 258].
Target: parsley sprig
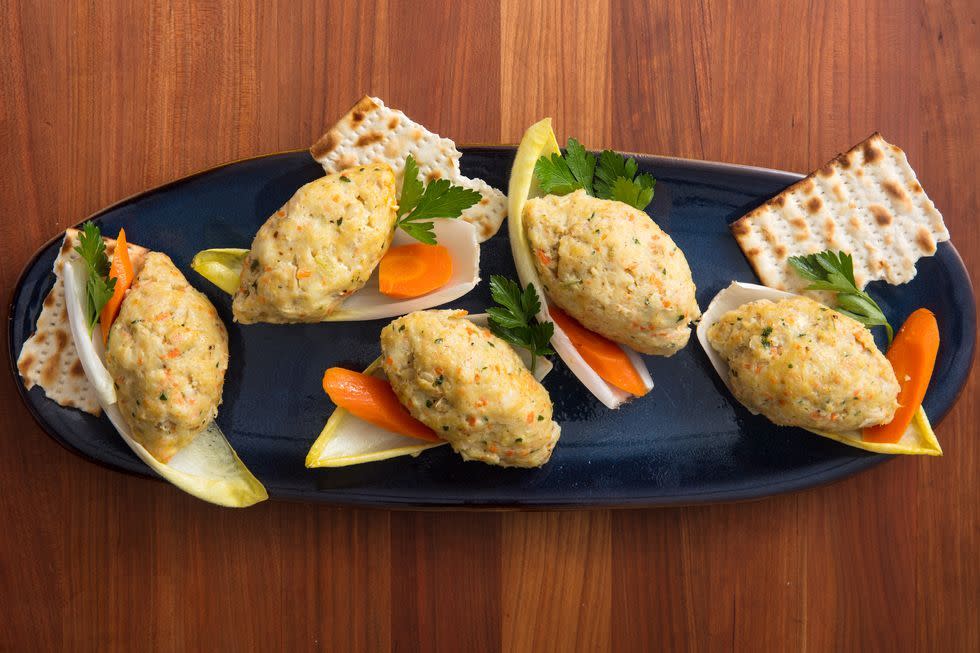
[834, 272]
[514, 319]
[419, 204]
[99, 287]
[612, 176]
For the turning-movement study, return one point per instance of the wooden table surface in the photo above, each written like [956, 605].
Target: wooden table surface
[98, 104]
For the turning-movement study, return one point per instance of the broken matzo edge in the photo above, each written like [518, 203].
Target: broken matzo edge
[866, 202]
[371, 132]
[48, 358]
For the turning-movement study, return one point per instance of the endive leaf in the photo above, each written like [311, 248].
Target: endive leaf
[207, 468]
[918, 439]
[348, 440]
[539, 140]
[223, 268]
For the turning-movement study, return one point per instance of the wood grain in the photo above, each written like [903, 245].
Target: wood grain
[99, 102]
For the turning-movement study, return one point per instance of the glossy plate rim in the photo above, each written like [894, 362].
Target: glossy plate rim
[759, 491]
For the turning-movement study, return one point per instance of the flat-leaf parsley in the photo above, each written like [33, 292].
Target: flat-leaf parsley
[513, 320]
[612, 176]
[419, 204]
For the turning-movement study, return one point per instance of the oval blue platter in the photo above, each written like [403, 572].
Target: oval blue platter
[687, 442]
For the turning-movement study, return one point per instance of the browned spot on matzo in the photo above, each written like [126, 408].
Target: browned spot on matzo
[49, 371]
[327, 144]
[740, 227]
[828, 228]
[895, 191]
[25, 363]
[880, 214]
[813, 204]
[369, 139]
[923, 238]
[871, 153]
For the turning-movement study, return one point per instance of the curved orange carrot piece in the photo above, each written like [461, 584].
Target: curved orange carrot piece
[414, 270]
[373, 400]
[120, 269]
[913, 357]
[603, 355]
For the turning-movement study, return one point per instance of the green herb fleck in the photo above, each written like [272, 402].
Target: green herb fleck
[765, 337]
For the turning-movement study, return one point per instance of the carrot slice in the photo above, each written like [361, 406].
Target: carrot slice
[373, 400]
[913, 357]
[120, 269]
[414, 270]
[603, 355]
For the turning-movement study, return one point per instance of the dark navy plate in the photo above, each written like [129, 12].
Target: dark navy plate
[688, 441]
